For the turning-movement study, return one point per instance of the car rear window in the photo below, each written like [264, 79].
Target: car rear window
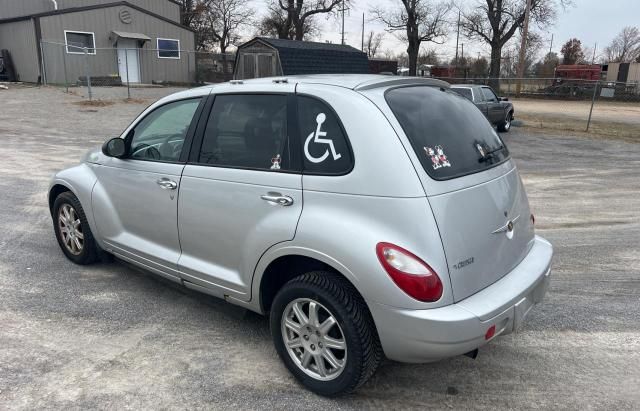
[464, 92]
[448, 133]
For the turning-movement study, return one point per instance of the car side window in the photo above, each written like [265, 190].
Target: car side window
[247, 131]
[324, 144]
[160, 135]
[489, 95]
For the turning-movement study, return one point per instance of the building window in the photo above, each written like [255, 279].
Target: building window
[77, 41]
[168, 49]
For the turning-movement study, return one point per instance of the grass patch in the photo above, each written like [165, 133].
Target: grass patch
[94, 103]
[134, 101]
[609, 129]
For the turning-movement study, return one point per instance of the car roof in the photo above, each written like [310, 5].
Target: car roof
[358, 82]
[350, 81]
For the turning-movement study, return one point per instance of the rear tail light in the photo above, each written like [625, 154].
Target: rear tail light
[490, 333]
[409, 272]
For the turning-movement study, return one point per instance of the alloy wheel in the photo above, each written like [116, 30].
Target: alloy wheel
[70, 228]
[313, 338]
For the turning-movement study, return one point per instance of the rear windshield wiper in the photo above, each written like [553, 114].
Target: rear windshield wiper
[490, 154]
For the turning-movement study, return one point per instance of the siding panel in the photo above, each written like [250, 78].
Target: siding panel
[20, 39]
[17, 8]
[102, 22]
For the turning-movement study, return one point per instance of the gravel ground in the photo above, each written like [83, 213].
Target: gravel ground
[111, 337]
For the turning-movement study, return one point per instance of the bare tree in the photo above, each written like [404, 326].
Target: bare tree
[224, 18]
[572, 52]
[193, 14]
[191, 11]
[372, 43]
[546, 67]
[278, 23]
[534, 45]
[495, 22]
[625, 47]
[299, 12]
[429, 57]
[415, 22]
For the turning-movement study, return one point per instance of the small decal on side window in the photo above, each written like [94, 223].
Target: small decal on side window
[320, 118]
[438, 158]
[275, 162]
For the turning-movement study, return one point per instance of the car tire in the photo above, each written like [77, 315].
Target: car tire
[505, 125]
[345, 369]
[72, 230]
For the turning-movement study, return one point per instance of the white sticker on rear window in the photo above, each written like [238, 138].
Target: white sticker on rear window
[438, 157]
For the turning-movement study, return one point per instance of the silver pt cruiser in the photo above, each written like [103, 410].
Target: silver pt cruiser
[368, 216]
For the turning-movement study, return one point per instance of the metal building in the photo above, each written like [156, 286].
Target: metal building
[266, 57]
[141, 41]
[628, 73]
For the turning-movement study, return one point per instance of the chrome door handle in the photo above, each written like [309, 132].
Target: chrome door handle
[277, 198]
[167, 184]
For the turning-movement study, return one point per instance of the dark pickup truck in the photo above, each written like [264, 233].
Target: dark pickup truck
[498, 110]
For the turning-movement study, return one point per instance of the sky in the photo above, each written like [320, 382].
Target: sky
[591, 21]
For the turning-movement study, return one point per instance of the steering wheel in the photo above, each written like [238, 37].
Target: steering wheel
[175, 147]
[147, 151]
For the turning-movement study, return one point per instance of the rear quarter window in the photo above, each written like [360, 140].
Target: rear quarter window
[448, 133]
[464, 92]
[325, 147]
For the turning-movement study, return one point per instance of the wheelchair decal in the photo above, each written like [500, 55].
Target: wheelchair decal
[321, 118]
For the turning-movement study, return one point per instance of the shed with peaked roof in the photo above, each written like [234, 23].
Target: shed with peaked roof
[266, 57]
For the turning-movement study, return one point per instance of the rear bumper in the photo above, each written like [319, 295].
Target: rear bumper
[430, 335]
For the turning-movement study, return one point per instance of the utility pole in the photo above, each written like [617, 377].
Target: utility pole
[362, 32]
[457, 36]
[343, 22]
[551, 45]
[523, 47]
[595, 47]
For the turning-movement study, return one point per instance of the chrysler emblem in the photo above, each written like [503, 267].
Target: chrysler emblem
[507, 228]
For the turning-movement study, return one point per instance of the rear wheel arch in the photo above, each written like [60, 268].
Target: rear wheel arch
[286, 267]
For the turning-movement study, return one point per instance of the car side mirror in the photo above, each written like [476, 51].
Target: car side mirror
[116, 147]
[504, 98]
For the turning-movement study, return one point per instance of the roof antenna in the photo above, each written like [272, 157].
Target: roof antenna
[55, 5]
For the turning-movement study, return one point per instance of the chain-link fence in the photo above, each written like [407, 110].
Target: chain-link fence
[101, 73]
[600, 106]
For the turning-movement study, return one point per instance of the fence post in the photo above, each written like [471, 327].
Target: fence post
[44, 65]
[64, 66]
[126, 70]
[593, 100]
[86, 61]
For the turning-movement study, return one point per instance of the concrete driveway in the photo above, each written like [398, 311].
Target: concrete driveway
[111, 337]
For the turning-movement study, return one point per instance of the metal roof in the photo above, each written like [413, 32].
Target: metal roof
[135, 36]
[308, 57]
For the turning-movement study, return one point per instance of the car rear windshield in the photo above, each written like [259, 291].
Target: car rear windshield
[450, 136]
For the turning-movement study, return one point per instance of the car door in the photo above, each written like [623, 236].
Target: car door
[241, 191]
[135, 200]
[495, 110]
